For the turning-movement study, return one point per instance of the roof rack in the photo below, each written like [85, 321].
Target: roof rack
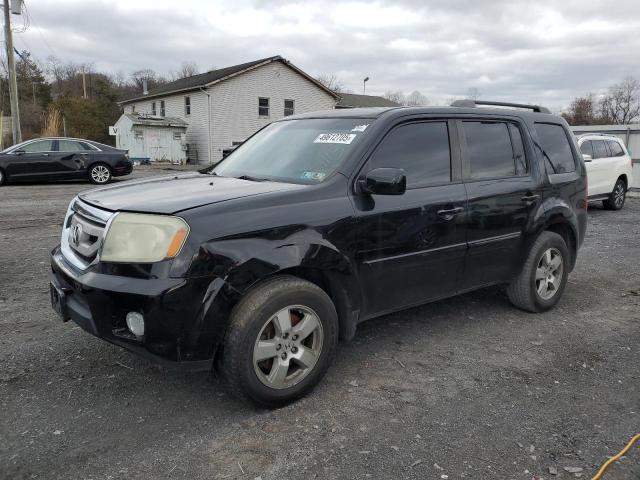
[468, 103]
[596, 133]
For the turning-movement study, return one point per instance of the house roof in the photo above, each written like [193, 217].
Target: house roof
[143, 119]
[353, 100]
[201, 80]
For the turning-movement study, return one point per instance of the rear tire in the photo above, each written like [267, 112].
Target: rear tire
[281, 339]
[542, 280]
[617, 196]
[3, 177]
[100, 174]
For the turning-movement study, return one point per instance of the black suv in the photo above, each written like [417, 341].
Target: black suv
[317, 223]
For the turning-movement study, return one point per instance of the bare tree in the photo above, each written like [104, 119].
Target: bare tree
[621, 104]
[415, 98]
[583, 111]
[187, 69]
[332, 82]
[394, 96]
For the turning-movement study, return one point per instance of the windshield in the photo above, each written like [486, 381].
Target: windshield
[297, 151]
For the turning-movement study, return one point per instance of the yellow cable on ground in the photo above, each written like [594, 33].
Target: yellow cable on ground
[613, 459]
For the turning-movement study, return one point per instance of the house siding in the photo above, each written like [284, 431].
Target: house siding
[234, 102]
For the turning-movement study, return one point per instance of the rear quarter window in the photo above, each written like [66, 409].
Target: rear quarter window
[615, 148]
[556, 148]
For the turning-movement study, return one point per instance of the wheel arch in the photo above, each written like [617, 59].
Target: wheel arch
[319, 263]
[568, 234]
[625, 179]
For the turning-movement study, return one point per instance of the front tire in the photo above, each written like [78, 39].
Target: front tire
[100, 174]
[280, 341]
[617, 196]
[543, 278]
[3, 177]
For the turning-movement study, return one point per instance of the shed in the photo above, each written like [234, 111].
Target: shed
[147, 137]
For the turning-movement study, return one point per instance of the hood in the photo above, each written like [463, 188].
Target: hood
[174, 193]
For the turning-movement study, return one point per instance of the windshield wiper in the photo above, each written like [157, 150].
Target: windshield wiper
[252, 179]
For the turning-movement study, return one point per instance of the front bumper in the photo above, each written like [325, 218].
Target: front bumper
[177, 333]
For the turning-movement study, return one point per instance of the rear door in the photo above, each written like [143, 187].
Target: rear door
[72, 158]
[503, 190]
[599, 170]
[410, 247]
[32, 160]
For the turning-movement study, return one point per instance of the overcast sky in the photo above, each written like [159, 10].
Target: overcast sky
[530, 51]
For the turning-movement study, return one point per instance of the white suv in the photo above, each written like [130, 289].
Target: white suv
[608, 168]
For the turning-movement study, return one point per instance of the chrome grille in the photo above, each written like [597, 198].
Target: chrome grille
[82, 233]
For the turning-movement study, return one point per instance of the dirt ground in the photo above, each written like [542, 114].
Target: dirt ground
[469, 387]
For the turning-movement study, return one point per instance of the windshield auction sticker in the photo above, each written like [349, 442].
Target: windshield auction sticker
[344, 138]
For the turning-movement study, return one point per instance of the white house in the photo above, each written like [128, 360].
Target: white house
[151, 137]
[223, 107]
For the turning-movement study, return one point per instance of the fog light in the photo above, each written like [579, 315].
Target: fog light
[135, 323]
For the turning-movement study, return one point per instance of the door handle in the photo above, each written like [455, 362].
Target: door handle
[45, 154]
[450, 212]
[529, 199]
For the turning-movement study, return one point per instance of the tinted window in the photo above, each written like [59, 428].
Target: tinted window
[600, 149]
[556, 148]
[587, 148]
[39, 146]
[518, 150]
[420, 149]
[615, 148]
[70, 146]
[489, 149]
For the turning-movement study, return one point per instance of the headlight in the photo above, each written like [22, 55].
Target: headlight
[139, 238]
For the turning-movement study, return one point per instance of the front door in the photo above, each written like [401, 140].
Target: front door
[503, 191]
[31, 161]
[410, 247]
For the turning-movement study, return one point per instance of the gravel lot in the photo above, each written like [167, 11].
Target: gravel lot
[464, 388]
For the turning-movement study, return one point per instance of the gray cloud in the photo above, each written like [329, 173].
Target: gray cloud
[518, 50]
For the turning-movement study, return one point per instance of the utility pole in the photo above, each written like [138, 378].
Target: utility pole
[13, 86]
[84, 85]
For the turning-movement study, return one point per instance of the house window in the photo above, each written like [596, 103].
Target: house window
[177, 135]
[153, 108]
[187, 105]
[138, 134]
[288, 108]
[162, 108]
[263, 107]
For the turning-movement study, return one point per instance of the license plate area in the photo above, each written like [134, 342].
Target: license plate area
[59, 301]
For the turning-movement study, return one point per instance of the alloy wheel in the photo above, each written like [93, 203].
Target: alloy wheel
[100, 174]
[618, 195]
[288, 347]
[549, 273]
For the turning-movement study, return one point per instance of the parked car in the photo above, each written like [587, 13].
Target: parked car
[609, 168]
[63, 159]
[317, 223]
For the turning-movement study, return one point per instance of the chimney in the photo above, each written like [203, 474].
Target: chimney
[145, 90]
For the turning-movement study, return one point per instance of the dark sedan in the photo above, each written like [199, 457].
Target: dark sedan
[63, 159]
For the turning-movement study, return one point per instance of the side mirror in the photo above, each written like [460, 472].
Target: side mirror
[18, 152]
[587, 157]
[384, 181]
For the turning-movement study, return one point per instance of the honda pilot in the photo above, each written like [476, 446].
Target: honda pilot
[258, 265]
